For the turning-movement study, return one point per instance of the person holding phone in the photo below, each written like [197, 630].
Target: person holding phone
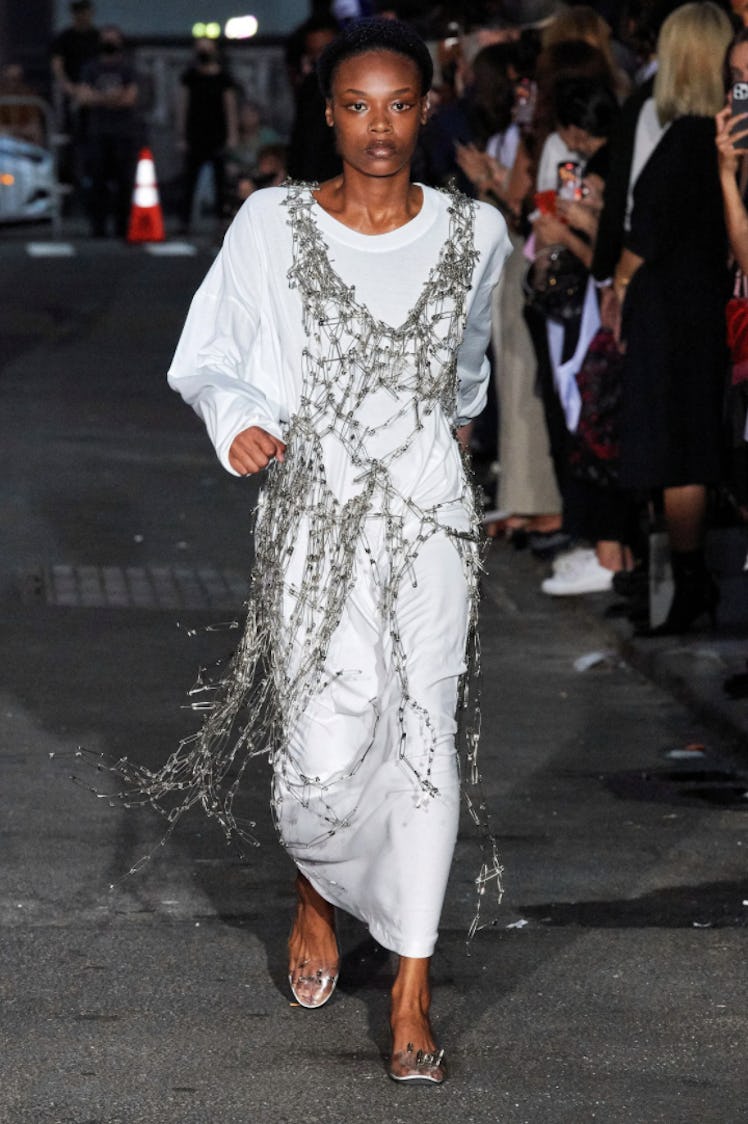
[732, 144]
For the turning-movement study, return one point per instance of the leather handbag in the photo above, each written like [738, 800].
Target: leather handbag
[555, 284]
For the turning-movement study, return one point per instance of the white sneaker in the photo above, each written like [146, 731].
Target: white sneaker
[572, 559]
[587, 576]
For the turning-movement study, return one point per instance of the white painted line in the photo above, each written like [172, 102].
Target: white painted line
[171, 249]
[50, 249]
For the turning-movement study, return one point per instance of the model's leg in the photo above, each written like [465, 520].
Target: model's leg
[410, 1006]
[432, 613]
[414, 1055]
[313, 959]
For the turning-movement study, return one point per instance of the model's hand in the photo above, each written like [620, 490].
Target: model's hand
[253, 449]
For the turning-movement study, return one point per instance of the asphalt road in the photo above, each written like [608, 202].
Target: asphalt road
[612, 987]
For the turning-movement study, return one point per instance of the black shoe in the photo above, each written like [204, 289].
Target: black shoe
[696, 595]
[547, 544]
[631, 583]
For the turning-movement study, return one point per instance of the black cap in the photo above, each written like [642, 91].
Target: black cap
[526, 14]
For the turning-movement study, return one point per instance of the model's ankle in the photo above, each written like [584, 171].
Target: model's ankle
[311, 899]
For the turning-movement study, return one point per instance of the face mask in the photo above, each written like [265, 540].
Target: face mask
[205, 57]
[109, 48]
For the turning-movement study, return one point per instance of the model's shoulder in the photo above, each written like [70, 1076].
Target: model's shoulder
[490, 226]
[263, 213]
[267, 202]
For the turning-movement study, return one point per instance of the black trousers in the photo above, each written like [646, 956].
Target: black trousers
[111, 163]
[193, 163]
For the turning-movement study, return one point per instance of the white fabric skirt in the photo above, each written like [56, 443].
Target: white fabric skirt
[349, 806]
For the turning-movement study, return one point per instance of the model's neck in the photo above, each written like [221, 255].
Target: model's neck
[371, 204]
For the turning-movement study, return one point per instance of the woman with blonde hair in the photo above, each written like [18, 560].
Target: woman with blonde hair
[673, 282]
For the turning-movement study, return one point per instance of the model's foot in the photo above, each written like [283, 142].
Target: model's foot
[313, 956]
[415, 1057]
[411, 1027]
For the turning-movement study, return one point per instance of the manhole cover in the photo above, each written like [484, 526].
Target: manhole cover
[136, 587]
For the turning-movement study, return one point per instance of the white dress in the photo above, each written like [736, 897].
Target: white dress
[365, 586]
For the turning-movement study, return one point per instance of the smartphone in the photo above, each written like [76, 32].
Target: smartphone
[569, 181]
[739, 105]
[525, 96]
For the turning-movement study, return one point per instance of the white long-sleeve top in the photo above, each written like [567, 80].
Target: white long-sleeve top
[238, 361]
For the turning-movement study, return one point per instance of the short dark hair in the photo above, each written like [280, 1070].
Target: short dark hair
[587, 103]
[367, 35]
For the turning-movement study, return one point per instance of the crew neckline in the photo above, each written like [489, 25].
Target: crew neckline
[391, 239]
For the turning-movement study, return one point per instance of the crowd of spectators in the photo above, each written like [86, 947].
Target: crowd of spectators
[619, 411]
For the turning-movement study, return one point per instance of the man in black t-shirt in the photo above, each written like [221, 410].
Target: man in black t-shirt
[109, 91]
[207, 123]
[74, 47]
[70, 51]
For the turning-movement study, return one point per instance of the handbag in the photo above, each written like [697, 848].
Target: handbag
[736, 317]
[555, 284]
[595, 449]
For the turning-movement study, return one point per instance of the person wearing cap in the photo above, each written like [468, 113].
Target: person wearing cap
[74, 47]
[109, 91]
[70, 51]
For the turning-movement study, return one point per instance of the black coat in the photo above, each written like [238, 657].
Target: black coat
[675, 370]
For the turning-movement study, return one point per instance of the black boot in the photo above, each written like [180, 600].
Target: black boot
[695, 595]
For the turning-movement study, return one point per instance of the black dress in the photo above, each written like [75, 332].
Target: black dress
[674, 315]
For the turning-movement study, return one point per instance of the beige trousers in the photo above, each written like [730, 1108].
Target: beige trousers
[527, 484]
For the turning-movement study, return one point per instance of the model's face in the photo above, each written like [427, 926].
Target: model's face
[376, 110]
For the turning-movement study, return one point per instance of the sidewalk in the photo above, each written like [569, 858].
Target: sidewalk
[693, 667]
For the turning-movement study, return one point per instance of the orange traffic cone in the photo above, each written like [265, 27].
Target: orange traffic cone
[146, 216]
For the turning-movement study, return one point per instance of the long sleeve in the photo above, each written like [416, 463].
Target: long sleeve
[218, 366]
[473, 367]
[610, 233]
